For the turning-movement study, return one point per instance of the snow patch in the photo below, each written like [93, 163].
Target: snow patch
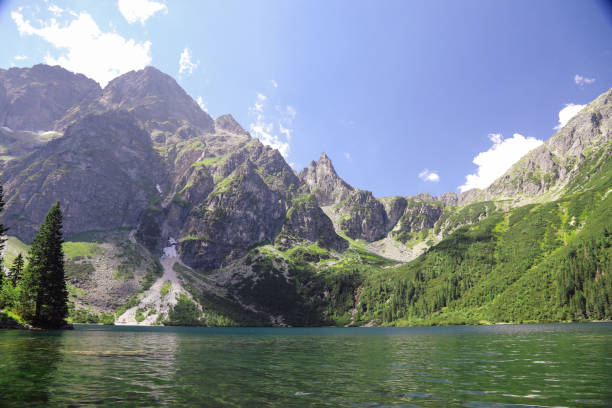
[8, 129]
[170, 251]
[159, 190]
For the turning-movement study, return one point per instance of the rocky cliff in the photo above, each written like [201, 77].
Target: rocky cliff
[36, 98]
[103, 171]
[324, 182]
[550, 167]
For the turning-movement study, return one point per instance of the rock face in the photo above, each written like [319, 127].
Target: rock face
[306, 223]
[225, 204]
[364, 217]
[325, 183]
[229, 124]
[551, 166]
[418, 216]
[35, 98]
[153, 96]
[161, 106]
[102, 171]
[394, 208]
[241, 211]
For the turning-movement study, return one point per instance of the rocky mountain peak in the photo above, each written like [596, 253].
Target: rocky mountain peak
[35, 98]
[551, 166]
[229, 124]
[364, 216]
[103, 170]
[152, 95]
[324, 182]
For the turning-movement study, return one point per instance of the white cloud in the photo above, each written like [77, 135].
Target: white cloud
[427, 175]
[498, 159]
[259, 103]
[272, 129]
[568, 112]
[290, 110]
[85, 48]
[581, 80]
[274, 83]
[56, 10]
[20, 57]
[186, 63]
[139, 10]
[200, 102]
[285, 131]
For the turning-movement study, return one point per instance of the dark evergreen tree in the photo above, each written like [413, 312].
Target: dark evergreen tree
[16, 271]
[44, 293]
[3, 230]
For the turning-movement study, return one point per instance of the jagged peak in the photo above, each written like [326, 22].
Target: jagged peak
[551, 166]
[150, 75]
[50, 71]
[155, 94]
[323, 180]
[229, 124]
[324, 162]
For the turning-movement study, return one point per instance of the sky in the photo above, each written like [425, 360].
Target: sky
[405, 96]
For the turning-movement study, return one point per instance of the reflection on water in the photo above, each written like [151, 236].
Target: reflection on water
[535, 365]
[28, 366]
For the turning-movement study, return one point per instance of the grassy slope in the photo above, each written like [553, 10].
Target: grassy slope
[540, 262]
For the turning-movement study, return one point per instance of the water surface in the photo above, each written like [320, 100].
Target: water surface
[482, 366]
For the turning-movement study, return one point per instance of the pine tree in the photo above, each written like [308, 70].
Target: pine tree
[2, 233]
[44, 294]
[16, 271]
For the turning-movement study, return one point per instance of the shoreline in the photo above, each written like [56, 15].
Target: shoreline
[9, 323]
[353, 327]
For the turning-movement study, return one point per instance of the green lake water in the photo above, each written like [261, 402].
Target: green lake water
[477, 366]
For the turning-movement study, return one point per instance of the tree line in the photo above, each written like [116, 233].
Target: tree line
[35, 288]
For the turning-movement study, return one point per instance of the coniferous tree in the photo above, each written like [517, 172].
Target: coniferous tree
[44, 297]
[3, 230]
[16, 270]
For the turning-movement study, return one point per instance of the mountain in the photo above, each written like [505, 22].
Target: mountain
[325, 183]
[172, 217]
[550, 167]
[155, 99]
[35, 98]
[103, 170]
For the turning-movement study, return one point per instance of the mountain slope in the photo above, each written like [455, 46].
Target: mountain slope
[103, 171]
[195, 222]
[550, 167]
[35, 98]
[161, 106]
[325, 183]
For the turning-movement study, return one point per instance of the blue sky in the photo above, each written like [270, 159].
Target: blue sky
[404, 96]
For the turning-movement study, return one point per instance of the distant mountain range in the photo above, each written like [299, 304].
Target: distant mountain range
[174, 217]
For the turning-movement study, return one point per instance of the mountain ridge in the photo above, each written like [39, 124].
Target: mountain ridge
[255, 241]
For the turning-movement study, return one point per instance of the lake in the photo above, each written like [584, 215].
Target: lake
[467, 366]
